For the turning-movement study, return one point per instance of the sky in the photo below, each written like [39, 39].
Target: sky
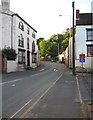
[43, 15]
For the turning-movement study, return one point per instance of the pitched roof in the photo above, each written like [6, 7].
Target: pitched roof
[85, 19]
[10, 13]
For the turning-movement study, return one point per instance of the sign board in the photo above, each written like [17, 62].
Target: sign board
[82, 57]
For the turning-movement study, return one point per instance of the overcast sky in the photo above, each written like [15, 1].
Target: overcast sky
[43, 15]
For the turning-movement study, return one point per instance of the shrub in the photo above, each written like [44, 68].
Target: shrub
[9, 53]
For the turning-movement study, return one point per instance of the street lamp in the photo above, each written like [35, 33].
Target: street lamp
[69, 18]
[70, 42]
[57, 44]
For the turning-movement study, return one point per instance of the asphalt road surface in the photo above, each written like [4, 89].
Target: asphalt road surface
[44, 92]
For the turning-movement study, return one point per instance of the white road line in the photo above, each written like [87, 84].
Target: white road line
[11, 81]
[3, 83]
[23, 116]
[80, 97]
[42, 70]
[81, 100]
[20, 109]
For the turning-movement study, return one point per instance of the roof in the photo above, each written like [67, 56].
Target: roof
[24, 21]
[85, 19]
[10, 13]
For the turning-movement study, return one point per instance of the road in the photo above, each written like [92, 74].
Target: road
[23, 91]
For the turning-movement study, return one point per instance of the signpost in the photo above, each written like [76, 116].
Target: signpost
[82, 59]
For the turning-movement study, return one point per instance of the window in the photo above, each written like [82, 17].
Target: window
[21, 41]
[27, 43]
[33, 35]
[21, 56]
[90, 50]
[28, 30]
[21, 26]
[89, 34]
[33, 57]
[33, 46]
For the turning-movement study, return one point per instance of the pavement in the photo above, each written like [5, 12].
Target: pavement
[87, 78]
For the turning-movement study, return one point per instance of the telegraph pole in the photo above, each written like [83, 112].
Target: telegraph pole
[73, 38]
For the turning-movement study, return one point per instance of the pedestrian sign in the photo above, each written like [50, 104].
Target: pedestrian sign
[82, 57]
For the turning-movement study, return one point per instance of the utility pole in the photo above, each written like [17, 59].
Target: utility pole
[73, 38]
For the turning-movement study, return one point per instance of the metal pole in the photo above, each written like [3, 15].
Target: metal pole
[73, 38]
[58, 48]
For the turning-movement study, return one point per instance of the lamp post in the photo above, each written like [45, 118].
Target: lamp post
[58, 44]
[73, 38]
[70, 43]
[69, 19]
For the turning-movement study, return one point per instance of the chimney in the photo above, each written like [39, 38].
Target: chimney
[77, 14]
[5, 5]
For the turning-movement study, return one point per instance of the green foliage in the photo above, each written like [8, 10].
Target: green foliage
[43, 48]
[50, 47]
[9, 53]
[38, 41]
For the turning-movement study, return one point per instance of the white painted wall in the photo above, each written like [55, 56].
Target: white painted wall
[6, 31]
[81, 38]
[60, 57]
[81, 46]
[88, 64]
[9, 33]
[66, 56]
[12, 66]
[70, 53]
[80, 41]
[17, 32]
[0, 31]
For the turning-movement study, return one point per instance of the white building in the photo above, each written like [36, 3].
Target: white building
[19, 35]
[70, 53]
[84, 40]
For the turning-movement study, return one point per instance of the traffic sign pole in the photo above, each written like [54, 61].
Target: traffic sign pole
[82, 59]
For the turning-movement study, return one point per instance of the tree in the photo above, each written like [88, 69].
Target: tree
[38, 41]
[50, 47]
[43, 48]
[9, 53]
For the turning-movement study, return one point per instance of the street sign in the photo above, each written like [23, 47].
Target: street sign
[82, 57]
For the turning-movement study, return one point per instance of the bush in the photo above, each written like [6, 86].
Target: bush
[9, 53]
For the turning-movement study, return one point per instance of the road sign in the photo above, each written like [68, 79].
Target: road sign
[82, 57]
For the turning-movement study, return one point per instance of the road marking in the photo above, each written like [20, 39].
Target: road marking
[13, 85]
[20, 109]
[3, 83]
[81, 100]
[30, 108]
[42, 70]
[55, 70]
